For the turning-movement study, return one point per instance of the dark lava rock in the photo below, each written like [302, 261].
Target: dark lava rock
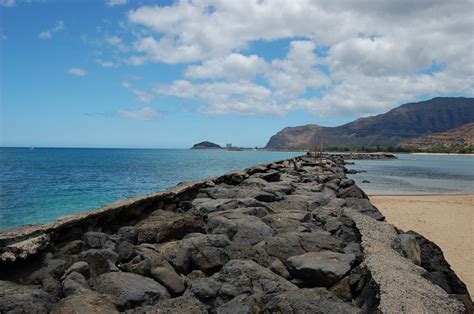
[100, 261]
[168, 278]
[316, 300]
[272, 176]
[163, 226]
[128, 233]
[185, 305]
[236, 278]
[73, 282]
[15, 298]
[94, 240]
[129, 289]
[320, 269]
[86, 301]
[365, 207]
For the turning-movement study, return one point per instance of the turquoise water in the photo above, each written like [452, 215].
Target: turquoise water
[43, 184]
[416, 174]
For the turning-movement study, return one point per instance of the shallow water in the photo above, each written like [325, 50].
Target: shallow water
[43, 184]
[416, 174]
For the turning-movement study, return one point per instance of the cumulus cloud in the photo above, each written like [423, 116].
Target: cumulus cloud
[142, 114]
[112, 3]
[48, 34]
[8, 3]
[140, 95]
[343, 57]
[77, 71]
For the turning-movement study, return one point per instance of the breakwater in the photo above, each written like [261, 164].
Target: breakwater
[284, 237]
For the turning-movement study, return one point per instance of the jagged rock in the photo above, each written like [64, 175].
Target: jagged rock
[125, 251]
[272, 176]
[410, 247]
[79, 267]
[73, 282]
[72, 247]
[342, 228]
[320, 269]
[147, 257]
[287, 220]
[290, 244]
[23, 249]
[244, 303]
[129, 289]
[52, 286]
[209, 259]
[52, 268]
[85, 301]
[365, 207]
[237, 277]
[194, 275]
[168, 278]
[163, 226]
[316, 300]
[255, 182]
[15, 298]
[183, 305]
[95, 240]
[278, 268]
[100, 261]
[245, 251]
[342, 289]
[128, 233]
[239, 227]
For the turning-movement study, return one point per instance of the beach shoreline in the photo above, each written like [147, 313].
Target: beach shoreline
[451, 229]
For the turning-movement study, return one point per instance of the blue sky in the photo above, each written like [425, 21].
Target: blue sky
[117, 73]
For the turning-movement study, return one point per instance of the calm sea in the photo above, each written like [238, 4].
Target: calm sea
[43, 184]
[416, 174]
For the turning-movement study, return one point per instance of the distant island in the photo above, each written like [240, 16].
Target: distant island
[385, 132]
[206, 145]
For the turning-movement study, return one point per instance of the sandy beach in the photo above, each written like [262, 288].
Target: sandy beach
[448, 220]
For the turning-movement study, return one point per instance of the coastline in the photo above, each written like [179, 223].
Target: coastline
[447, 219]
[443, 154]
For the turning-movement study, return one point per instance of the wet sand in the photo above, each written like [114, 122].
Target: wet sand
[448, 220]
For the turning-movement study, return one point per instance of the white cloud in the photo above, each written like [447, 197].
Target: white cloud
[112, 3]
[106, 64]
[140, 95]
[362, 57]
[142, 114]
[8, 3]
[77, 71]
[48, 34]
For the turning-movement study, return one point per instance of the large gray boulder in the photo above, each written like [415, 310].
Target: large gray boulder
[316, 300]
[15, 298]
[85, 301]
[129, 289]
[320, 269]
[236, 278]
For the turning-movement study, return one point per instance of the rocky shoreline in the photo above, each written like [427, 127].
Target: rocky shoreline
[291, 236]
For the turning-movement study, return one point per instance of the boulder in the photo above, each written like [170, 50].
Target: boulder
[15, 298]
[168, 278]
[100, 261]
[271, 176]
[73, 282]
[410, 247]
[316, 300]
[85, 301]
[192, 276]
[237, 277]
[365, 207]
[125, 251]
[278, 268]
[162, 226]
[129, 289]
[187, 305]
[128, 233]
[95, 240]
[320, 269]
[80, 267]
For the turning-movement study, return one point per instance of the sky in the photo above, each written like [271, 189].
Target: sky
[168, 74]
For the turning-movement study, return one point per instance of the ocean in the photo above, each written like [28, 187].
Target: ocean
[42, 184]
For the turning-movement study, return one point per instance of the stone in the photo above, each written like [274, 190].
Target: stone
[51, 268]
[85, 301]
[168, 278]
[73, 282]
[80, 267]
[237, 277]
[365, 207]
[185, 305]
[94, 240]
[278, 268]
[272, 176]
[287, 220]
[194, 275]
[239, 227]
[342, 289]
[52, 286]
[320, 269]
[316, 300]
[162, 226]
[100, 261]
[125, 251]
[15, 298]
[129, 289]
[209, 259]
[410, 247]
[128, 233]
[244, 303]
[71, 248]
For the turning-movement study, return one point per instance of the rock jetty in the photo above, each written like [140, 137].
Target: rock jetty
[288, 237]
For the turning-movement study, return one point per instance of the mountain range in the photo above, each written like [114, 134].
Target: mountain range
[462, 136]
[405, 122]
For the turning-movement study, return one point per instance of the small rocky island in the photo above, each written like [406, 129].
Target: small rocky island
[295, 236]
[206, 145]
